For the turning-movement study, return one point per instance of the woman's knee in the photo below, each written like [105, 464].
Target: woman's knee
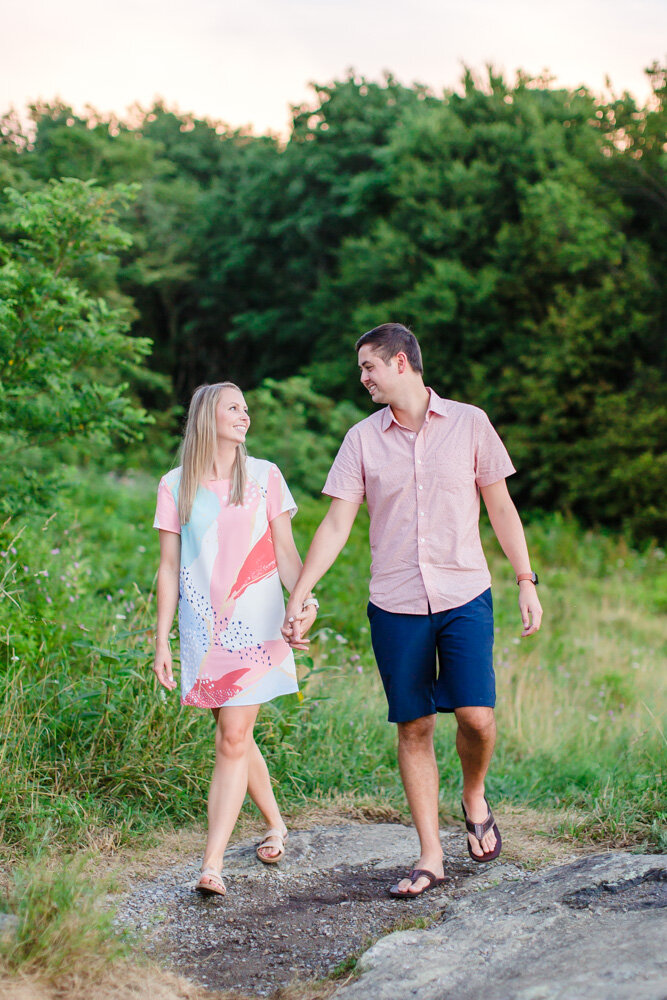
[233, 742]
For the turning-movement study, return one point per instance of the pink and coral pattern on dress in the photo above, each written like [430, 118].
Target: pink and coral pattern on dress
[231, 602]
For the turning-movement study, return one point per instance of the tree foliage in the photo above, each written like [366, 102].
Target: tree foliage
[66, 355]
[517, 228]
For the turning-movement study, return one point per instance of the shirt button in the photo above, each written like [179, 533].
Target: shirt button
[411, 436]
[421, 487]
[422, 539]
[419, 461]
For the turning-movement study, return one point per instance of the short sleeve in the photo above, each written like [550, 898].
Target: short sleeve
[278, 497]
[166, 512]
[492, 461]
[346, 476]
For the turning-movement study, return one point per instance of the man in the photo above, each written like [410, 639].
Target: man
[421, 463]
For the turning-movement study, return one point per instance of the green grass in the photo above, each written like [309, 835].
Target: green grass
[90, 743]
[60, 927]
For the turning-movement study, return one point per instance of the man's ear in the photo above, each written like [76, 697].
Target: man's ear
[402, 362]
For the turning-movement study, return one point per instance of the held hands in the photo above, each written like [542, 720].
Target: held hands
[530, 608]
[297, 622]
[162, 666]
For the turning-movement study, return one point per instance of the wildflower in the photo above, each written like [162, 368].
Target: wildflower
[12, 550]
[48, 599]
[55, 552]
[122, 617]
[109, 597]
[360, 669]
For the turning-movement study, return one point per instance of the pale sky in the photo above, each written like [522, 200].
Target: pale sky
[246, 62]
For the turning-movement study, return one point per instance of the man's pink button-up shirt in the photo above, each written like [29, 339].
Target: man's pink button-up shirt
[422, 490]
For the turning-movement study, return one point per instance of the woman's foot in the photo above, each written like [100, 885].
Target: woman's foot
[210, 883]
[271, 848]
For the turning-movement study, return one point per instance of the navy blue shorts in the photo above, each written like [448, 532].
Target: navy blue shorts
[405, 648]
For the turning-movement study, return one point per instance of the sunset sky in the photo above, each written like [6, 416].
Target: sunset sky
[246, 62]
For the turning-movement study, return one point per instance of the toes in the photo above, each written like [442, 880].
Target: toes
[417, 886]
[475, 846]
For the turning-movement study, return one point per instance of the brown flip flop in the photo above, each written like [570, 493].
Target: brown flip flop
[479, 830]
[414, 875]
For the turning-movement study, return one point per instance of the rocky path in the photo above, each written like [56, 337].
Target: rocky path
[594, 927]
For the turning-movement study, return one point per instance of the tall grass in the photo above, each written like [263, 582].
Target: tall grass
[90, 743]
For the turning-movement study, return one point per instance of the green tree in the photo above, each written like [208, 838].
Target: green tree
[67, 359]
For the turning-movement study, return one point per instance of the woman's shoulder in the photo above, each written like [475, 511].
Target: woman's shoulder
[172, 478]
[259, 468]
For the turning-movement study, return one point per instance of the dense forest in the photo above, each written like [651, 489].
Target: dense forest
[518, 229]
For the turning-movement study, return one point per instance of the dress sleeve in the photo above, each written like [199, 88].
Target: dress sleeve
[346, 476]
[278, 497]
[492, 461]
[166, 512]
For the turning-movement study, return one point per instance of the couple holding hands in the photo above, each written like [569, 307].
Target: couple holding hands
[226, 549]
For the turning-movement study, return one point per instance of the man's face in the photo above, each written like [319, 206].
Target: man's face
[377, 376]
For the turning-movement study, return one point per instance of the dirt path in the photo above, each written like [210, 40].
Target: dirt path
[302, 920]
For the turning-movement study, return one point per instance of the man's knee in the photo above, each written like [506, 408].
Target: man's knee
[416, 732]
[476, 720]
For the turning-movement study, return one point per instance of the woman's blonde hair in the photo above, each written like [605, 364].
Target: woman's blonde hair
[198, 449]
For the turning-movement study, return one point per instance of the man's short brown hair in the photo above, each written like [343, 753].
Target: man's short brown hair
[391, 338]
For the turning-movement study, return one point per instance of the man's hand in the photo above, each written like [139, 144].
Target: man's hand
[530, 608]
[297, 622]
[162, 666]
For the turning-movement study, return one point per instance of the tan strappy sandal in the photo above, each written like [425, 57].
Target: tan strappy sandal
[272, 838]
[210, 883]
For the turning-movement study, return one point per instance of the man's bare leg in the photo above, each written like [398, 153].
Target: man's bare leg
[419, 772]
[475, 740]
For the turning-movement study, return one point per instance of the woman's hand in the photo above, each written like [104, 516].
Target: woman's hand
[162, 666]
[294, 631]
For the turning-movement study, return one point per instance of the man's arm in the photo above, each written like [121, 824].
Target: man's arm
[507, 525]
[325, 547]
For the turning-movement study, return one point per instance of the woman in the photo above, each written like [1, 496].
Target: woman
[225, 546]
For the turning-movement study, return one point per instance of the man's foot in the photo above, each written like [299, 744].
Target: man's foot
[417, 876]
[484, 842]
[414, 886]
[271, 848]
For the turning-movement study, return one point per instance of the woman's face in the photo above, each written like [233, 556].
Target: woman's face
[231, 416]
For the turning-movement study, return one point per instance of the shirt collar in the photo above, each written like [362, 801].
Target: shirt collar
[436, 405]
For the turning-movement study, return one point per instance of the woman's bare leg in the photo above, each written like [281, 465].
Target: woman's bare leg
[260, 791]
[229, 784]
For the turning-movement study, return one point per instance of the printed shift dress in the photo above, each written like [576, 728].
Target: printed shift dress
[231, 605]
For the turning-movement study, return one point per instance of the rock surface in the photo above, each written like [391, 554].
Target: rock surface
[595, 929]
[299, 920]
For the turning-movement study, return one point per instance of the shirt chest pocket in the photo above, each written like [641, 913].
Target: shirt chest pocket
[452, 472]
